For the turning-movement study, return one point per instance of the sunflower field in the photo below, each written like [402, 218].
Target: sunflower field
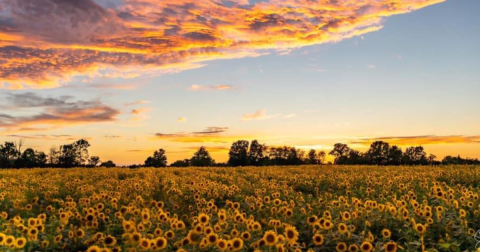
[302, 208]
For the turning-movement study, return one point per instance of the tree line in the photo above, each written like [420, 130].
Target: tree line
[241, 153]
[68, 155]
[244, 153]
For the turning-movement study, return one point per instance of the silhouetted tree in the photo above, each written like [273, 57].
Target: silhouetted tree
[395, 155]
[321, 156]
[94, 161]
[202, 158]
[181, 163]
[238, 154]
[108, 164]
[257, 154]
[53, 156]
[378, 153]
[75, 154]
[312, 157]
[415, 156]
[450, 160]
[340, 152]
[285, 156]
[28, 159]
[40, 159]
[8, 155]
[159, 159]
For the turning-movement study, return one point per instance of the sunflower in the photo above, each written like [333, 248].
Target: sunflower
[222, 244]
[270, 238]
[170, 234]
[9, 240]
[2, 238]
[203, 218]
[342, 228]
[311, 220]
[390, 247]
[20, 242]
[420, 228]
[212, 239]
[136, 237]
[160, 243]
[366, 247]
[237, 244]
[94, 248]
[291, 234]
[246, 236]
[353, 248]
[80, 233]
[386, 233]
[341, 247]
[145, 244]
[110, 240]
[318, 239]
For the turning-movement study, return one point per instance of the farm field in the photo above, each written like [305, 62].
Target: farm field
[316, 208]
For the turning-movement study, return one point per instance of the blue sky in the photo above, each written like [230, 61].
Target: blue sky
[416, 77]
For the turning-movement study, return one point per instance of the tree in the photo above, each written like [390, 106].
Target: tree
[321, 157]
[8, 155]
[93, 161]
[238, 154]
[286, 156]
[27, 159]
[108, 164]
[40, 159]
[432, 159]
[415, 156]
[395, 155]
[159, 159]
[181, 163]
[53, 156]
[75, 154]
[202, 158]
[378, 153]
[312, 157]
[340, 152]
[257, 154]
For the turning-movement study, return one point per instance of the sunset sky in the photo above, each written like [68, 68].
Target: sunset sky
[132, 76]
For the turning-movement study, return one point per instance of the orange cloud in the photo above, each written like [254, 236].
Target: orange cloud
[259, 115]
[140, 114]
[217, 87]
[55, 112]
[209, 135]
[42, 49]
[420, 140]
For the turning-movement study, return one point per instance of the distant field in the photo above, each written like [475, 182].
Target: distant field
[317, 208]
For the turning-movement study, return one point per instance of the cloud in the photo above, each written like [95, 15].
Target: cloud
[140, 114]
[49, 137]
[259, 115]
[420, 140]
[113, 86]
[112, 136]
[140, 102]
[290, 116]
[182, 119]
[217, 87]
[47, 42]
[209, 135]
[51, 112]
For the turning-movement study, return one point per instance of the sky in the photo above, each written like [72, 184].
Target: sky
[133, 76]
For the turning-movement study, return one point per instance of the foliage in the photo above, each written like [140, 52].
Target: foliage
[305, 208]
